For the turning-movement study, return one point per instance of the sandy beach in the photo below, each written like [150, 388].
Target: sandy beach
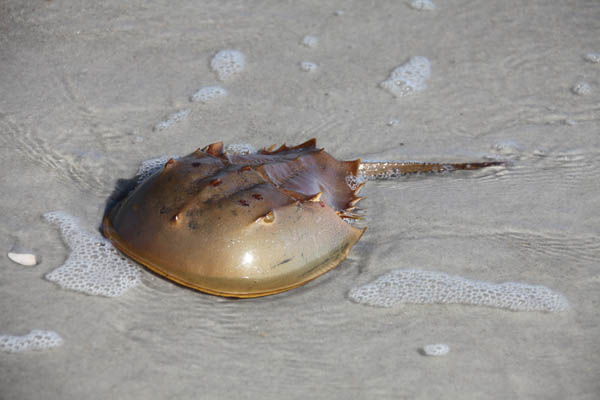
[92, 89]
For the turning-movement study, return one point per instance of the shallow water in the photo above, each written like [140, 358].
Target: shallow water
[87, 85]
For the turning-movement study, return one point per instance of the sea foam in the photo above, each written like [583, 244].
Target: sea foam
[228, 64]
[209, 94]
[150, 167]
[408, 78]
[310, 41]
[592, 57]
[422, 5]
[581, 88]
[428, 287]
[308, 66]
[240, 148]
[94, 266]
[507, 147]
[436, 350]
[172, 119]
[34, 340]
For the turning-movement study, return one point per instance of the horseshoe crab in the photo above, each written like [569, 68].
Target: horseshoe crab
[249, 225]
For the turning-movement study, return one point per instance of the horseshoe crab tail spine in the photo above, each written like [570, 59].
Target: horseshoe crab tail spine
[379, 170]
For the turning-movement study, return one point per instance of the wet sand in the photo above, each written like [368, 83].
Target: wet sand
[85, 84]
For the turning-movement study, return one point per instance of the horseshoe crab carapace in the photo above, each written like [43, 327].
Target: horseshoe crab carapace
[249, 225]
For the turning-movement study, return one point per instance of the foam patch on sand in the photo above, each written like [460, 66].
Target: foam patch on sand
[172, 120]
[354, 182]
[94, 266]
[436, 350]
[422, 5]
[581, 88]
[428, 287]
[240, 148]
[310, 41]
[507, 148]
[409, 78]
[209, 94]
[34, 340]
[150, 167]
[308, 66]
[592, 57]
[228, 64]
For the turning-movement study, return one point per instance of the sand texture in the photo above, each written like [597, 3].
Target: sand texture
[90, 89]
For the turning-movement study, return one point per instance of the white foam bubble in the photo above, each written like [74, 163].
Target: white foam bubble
[209, 94]
[582, 88]
[354, 182]
[228, 64]
[428, 287]
[150, 167]
[408, 78]
[308, 66]
[240, 148]
[310, 41]
[436, 350]
[393, 122]
[94, 266]
[422, 5]
[570, 121]
[26, 259]
[592, 57]
[507, 147]
[172, 119]
[34, 340]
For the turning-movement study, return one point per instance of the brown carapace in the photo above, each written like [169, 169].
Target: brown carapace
[249, 225]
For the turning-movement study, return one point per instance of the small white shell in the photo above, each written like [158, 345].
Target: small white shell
[23, 258]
